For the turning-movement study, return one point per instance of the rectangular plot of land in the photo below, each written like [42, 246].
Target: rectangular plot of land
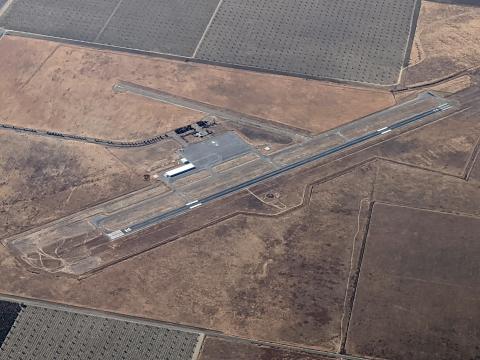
[71, 19]
[418, 294]
[228, 349]
[166, 26]
[45, 334]
[363, 41]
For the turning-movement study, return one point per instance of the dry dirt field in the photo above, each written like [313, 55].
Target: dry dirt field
[42, 179]
[428, 261]
[69, 88]
[447, 41]
[52, 87]
[219, 349]
[371, 254]
[293, 278]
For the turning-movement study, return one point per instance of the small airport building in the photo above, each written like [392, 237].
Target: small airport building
[187, 166]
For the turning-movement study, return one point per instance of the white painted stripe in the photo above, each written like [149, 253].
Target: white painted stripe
[116, 234]
[196, 205]
[112, 237]
[386, 131]
[198, 347]
[206, 29]
[384, 128]
[102, 30]
[5, 6]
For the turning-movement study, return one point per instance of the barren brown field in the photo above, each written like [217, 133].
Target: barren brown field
[292, 277]
[219, 349]
[71, 93]
[44, 179]
[418, 292]
[474, 175]
[148, 159]
[70, 90]
[368, 253]
[447, 40]
[269, 266]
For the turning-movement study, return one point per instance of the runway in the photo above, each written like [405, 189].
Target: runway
[333, 150]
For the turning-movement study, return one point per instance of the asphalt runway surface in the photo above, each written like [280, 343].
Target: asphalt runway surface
[364, 41]
[336, 149]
